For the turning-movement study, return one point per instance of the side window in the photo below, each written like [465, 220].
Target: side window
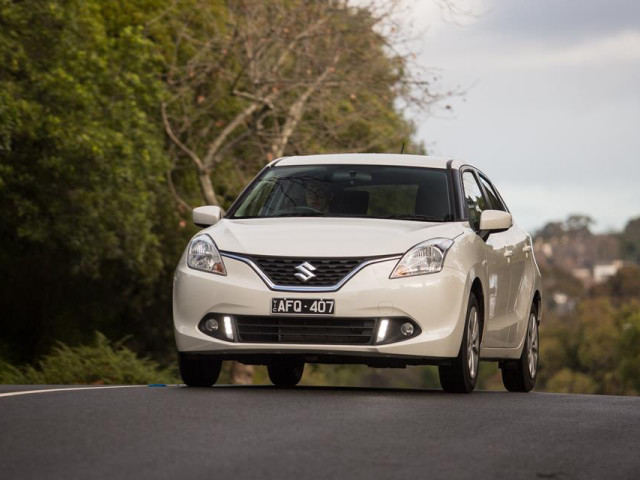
[494, 200]
[473, 198]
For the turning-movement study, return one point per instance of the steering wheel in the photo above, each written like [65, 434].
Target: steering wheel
[306, 208]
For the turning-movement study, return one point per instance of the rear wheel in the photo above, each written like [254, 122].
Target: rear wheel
[520, 375]
[286, 374]
[461, 375]
[199, 370]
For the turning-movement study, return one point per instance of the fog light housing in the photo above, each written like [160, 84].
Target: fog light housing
[228, 327]
[398, 329]
[218, 326]
[382, 330]
[406, 329]
[211, 325]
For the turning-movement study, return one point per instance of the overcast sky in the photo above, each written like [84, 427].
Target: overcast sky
[552, 109]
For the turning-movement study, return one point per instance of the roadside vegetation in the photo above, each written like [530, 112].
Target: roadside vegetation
[99, 362]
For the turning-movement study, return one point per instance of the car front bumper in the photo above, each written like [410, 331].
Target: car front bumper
[436, 302]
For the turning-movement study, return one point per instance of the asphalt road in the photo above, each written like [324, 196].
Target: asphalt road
[264, 432]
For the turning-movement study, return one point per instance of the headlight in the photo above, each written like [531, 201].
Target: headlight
[203, 255]
[426, 257]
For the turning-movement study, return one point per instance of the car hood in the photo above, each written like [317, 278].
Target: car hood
[325, 237]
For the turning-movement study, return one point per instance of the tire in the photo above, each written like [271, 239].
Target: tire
[286, 374]
[520, 375]
[199, 370]
[461, 375]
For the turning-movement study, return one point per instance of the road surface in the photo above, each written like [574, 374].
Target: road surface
[263, 432]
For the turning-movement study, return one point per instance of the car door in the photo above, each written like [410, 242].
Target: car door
[522, 282]
[497, 251]
[518, 254]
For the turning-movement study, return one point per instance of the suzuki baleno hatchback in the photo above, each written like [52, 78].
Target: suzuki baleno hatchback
[375, 259]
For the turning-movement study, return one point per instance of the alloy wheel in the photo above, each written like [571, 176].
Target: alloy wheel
[473, 342]
[532, 345]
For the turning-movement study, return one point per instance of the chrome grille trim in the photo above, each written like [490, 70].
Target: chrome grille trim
[307, 288]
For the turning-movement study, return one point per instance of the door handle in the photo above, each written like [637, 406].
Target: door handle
[526, 248]
[508, 253]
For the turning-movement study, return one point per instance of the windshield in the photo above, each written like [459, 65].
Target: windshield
[368, 191]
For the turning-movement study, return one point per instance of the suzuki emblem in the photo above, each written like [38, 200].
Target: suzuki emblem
[305, 271]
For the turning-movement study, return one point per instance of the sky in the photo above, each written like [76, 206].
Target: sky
[551, 110]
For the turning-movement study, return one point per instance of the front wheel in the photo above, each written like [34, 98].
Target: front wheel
[461, 375]
[286, 374]
[199, 370]
[520, 375]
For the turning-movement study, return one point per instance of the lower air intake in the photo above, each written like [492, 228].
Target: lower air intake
[310, 330]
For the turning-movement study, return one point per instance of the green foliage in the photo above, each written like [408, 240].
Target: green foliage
[100, 362]
[622, 287]
[597, 348]
[82, 157]
[630, 240]
[556, 279]
[568, 381]
[86, 235]
[629, 347]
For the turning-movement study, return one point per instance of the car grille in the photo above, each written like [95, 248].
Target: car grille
[328, 271]
[317, 330]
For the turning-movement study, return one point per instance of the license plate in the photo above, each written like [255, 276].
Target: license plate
[307, 306]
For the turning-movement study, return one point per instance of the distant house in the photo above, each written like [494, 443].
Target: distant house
[584, 275]
[562, 303]
[602, 272]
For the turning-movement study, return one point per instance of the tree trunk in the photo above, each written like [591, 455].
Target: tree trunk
[241, 374]
[206, 186]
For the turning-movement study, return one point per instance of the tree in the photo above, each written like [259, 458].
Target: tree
[577, 223]
[630, 240]
[81, 162]
[629, 367]
[261, 80]
[593, 351]
[622, 287]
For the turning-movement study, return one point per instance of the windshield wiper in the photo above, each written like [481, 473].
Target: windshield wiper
[297, 214]
[421, 218]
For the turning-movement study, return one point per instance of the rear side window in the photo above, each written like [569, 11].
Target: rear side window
[473, 198]
[494, 200]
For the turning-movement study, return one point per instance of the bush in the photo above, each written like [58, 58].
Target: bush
[101, 362]
[568, 381]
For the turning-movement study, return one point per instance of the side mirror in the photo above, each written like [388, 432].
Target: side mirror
[495, 220]
[207, 216]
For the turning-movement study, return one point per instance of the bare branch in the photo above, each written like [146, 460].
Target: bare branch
[182, 205]
[176, 140]
[254, 98]
[297, 109]
[289, 48]
[214, 147]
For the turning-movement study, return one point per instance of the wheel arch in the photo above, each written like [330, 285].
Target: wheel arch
[537, 301]
[478, 291]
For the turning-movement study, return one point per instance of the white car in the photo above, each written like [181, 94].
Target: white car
[376, 259]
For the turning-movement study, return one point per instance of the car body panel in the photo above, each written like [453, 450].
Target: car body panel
[405, 160]
[325, 237]
[436, 302]
[497, 318]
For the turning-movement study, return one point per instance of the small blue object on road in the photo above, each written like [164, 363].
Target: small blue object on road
[157, 385]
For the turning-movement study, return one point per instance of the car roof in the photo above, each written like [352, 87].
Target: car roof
[406, 160]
